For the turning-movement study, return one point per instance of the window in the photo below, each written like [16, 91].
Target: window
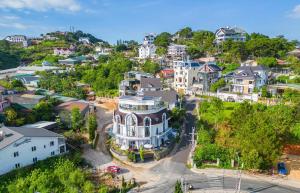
[131, 124]
[147, 123]
[16, 154]
[17, 165]
[34, 159]
[52, 153]
[118, 121]
[44, 146]
[33, 148]
[51, 143]
[164, 121]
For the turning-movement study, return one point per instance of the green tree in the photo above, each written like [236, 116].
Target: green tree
[219, 84]
[186, 32]
[163, 39]
[161, 51]
[267, 61]
[150, 67]
[76, 119]
[10, 115]
[43, 111]
[92, 126]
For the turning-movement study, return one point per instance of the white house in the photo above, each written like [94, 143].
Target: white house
[23, 146]
[185, 74]
[147, 49]
[63, 52]
[139, 121]
[175, 50]
[229, 33]
[16, 38]
[84, 40]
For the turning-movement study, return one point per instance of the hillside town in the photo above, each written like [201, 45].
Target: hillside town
[188, 111]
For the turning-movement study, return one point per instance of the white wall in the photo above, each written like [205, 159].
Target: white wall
[26, 155]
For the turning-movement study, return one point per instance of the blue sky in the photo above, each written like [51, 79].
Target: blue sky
[132, 19]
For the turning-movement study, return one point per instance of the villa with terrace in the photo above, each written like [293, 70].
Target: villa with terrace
[140, 121]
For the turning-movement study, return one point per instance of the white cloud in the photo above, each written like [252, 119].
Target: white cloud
[10, 17]
[12, 21]
[14, 25]
[295, 12]
[41, 5]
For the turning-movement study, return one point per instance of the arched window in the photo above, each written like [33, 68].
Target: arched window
[118, 122]
[164, 117]
[131, 124]
[147, 123]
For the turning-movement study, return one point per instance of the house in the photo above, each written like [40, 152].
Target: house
[150, 84]
[141, 84]
[63, 52]
[246, 78]
[131, 83]
[147, 49]
[177, 51]
[229, 33]
[84, 40]
[208, 74]
[23, 146]
[73, 61]
[64, 110]
[27, 101]
[185, 74]
[69, 62]
[29, 81]
[295, 52]
[169, 97]
[167, 73]
[140, 121]
[16, 38]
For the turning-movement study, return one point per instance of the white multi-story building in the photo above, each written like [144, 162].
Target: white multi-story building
[185, 74]
[22, 146]
[228, 33]
[147, 49]
[175, 50]
[16, 38]
[139, 121]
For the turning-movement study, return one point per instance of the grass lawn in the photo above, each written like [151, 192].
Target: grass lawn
[226, 113]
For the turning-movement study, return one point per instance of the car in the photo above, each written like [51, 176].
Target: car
[113, 169]
[282, 168]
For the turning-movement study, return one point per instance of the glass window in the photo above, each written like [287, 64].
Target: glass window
[33, 148]
[164, 122]
[16, 154]
[147, 126]
[118, 121]
[131, 124]
[51, 143]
